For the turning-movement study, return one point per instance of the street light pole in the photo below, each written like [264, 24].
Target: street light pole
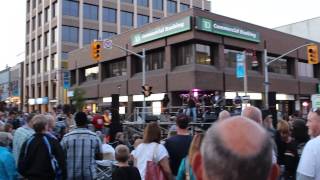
[266, 73]
[143, 59]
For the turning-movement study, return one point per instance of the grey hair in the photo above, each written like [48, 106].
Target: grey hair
[224, 115]
[253, 113]
[40, 122]
[225, 164]
[5, 139]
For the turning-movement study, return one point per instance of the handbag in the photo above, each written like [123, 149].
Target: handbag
[153, 170]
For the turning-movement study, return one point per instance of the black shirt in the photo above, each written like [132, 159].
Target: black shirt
[178, 148]
[126, 173]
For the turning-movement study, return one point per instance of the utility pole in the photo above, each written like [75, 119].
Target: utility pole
[142, 56]
[266, 73]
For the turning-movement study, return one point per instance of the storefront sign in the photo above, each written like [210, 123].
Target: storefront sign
[224, 29]
[43, 100]
[315, 98]
[162, 31]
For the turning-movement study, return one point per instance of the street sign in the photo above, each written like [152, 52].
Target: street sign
[245, 98]
[315, 98]
[107, 44]
[240, 66]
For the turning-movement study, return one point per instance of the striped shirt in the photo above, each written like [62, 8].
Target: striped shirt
[80, 147]
[19, 137]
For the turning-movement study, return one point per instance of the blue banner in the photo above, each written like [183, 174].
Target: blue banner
[240, 66]
[66, 80]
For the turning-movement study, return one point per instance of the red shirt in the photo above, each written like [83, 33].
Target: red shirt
[98, 122]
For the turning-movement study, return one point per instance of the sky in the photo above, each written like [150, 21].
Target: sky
[267, 13]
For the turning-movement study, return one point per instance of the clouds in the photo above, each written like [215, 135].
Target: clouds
[267, 13]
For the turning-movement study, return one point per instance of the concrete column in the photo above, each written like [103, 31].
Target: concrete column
[118, 16]
[165, 8]
[129, 67]
[50, 85]
[178, 6]
[81, 24]
[168, 63]
[135, 13]
[100, 19]
[150, 11]
[220, 61]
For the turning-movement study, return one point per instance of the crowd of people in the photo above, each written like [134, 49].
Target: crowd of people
[75, 146]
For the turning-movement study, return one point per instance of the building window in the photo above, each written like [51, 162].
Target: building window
[46, 39]
[172, 7]
[184, 54]
[39, 42]
[126, 18]
[28, 6]
[90, 11]
[33, 23]
[116, 68]
[142, 20]
[230, 56]
[33, 45]
[39, 19]
[89, 35]
[27, 70]
[109, 15]
[45, 64]
[154, 60]
[54, 9]
[54, 35]
[157, 4]
[46, 15]
[203, 54]
[91, 73]
[127, 1]
[64, 55]
[70, 34]
[54, 61]
[32, 68]
[305, 69]
[143, 3]
[184, 7]
[34, 3]
[27, 48]
[70, 8]
[39, 66]
[280, 66]
[28, 27]
[107, 35]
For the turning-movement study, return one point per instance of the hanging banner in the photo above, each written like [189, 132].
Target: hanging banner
[240, 66]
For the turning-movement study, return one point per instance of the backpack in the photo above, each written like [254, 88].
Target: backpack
[54, 163]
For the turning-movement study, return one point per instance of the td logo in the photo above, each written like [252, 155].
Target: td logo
[206, 24]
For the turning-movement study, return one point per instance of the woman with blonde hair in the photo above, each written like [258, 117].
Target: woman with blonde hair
[185, 170]
[151, 150]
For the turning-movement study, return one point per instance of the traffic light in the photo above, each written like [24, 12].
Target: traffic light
[312, 52]
[96, 47]
[146, 90]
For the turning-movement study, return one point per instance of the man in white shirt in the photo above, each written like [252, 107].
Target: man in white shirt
[309, 165]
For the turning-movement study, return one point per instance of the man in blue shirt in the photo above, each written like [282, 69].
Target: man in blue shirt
[8, 169]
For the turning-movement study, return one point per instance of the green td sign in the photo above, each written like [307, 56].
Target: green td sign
[224, 29]
[169, 29]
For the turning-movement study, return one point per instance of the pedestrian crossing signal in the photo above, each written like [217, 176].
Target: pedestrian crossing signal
[146, 90]
[312, 53]
[96, 47]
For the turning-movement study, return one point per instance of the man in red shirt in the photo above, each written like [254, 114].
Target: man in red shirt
[98, 122]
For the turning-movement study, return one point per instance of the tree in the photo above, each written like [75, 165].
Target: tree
[78, 99]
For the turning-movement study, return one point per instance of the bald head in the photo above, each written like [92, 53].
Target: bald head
[253, 113]
[237, 145]
[223, 115]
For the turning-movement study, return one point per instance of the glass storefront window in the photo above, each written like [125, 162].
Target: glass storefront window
[117, 68]
[252, 61]
[91, 73]
[281, 66]
[194, 53]
[203, 54]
